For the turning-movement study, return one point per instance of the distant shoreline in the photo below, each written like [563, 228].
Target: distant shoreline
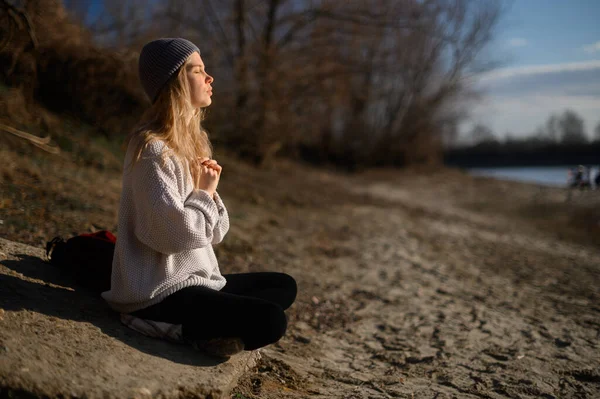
[553, 176]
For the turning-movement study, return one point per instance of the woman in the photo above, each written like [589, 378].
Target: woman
[170, 215]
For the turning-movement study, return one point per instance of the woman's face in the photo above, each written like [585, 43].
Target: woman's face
[199, 81]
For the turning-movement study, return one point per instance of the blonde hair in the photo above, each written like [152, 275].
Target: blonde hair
[174, 120]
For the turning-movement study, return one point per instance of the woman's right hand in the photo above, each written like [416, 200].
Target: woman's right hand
[208, 173]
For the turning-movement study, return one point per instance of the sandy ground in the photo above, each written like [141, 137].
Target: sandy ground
[435, 287]
[411, 284]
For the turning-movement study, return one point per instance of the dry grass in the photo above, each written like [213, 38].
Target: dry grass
[43, 195]
[64, 71]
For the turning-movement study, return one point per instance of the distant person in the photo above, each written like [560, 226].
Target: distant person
[581, 178]
[170, 215]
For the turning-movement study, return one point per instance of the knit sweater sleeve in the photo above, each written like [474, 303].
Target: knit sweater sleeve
[222, 226]
[164, 220]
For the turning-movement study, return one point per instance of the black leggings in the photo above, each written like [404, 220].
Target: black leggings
[250, 307]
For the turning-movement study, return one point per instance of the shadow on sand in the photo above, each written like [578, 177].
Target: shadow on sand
[56, 294]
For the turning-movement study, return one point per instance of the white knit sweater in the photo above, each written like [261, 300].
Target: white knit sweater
[165, 234]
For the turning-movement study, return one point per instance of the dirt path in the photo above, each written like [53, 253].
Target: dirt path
[413, 294]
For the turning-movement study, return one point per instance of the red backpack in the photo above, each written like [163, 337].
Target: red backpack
[86, 257]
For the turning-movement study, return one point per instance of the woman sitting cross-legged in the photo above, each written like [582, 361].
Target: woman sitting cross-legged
[170, 216]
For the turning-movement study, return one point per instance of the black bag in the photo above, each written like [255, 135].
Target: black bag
[86, 257]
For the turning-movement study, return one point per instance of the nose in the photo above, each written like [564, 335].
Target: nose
[209, 79]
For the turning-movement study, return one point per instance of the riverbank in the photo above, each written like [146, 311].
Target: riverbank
[555, 176]
[411, 283]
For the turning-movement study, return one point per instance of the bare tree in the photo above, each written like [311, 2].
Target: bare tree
[572, 128]
[79, 9]
[409, 62]
[355, 81]
[481, 134]
[121, 23]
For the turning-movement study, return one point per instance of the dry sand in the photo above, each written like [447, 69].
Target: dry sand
[436, 286]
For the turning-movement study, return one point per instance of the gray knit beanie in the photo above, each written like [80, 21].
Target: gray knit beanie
[160, 59]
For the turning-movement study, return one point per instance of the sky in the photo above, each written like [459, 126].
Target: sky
[549, 52]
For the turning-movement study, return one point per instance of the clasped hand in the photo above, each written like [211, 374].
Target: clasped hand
[206, 174]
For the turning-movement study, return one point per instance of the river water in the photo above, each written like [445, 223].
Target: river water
[546, 175]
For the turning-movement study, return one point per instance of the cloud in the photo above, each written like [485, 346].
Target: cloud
[517, 42]
[592, 48]
[522, 114]
[528, 70]
[518, 100]
[578, 82]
